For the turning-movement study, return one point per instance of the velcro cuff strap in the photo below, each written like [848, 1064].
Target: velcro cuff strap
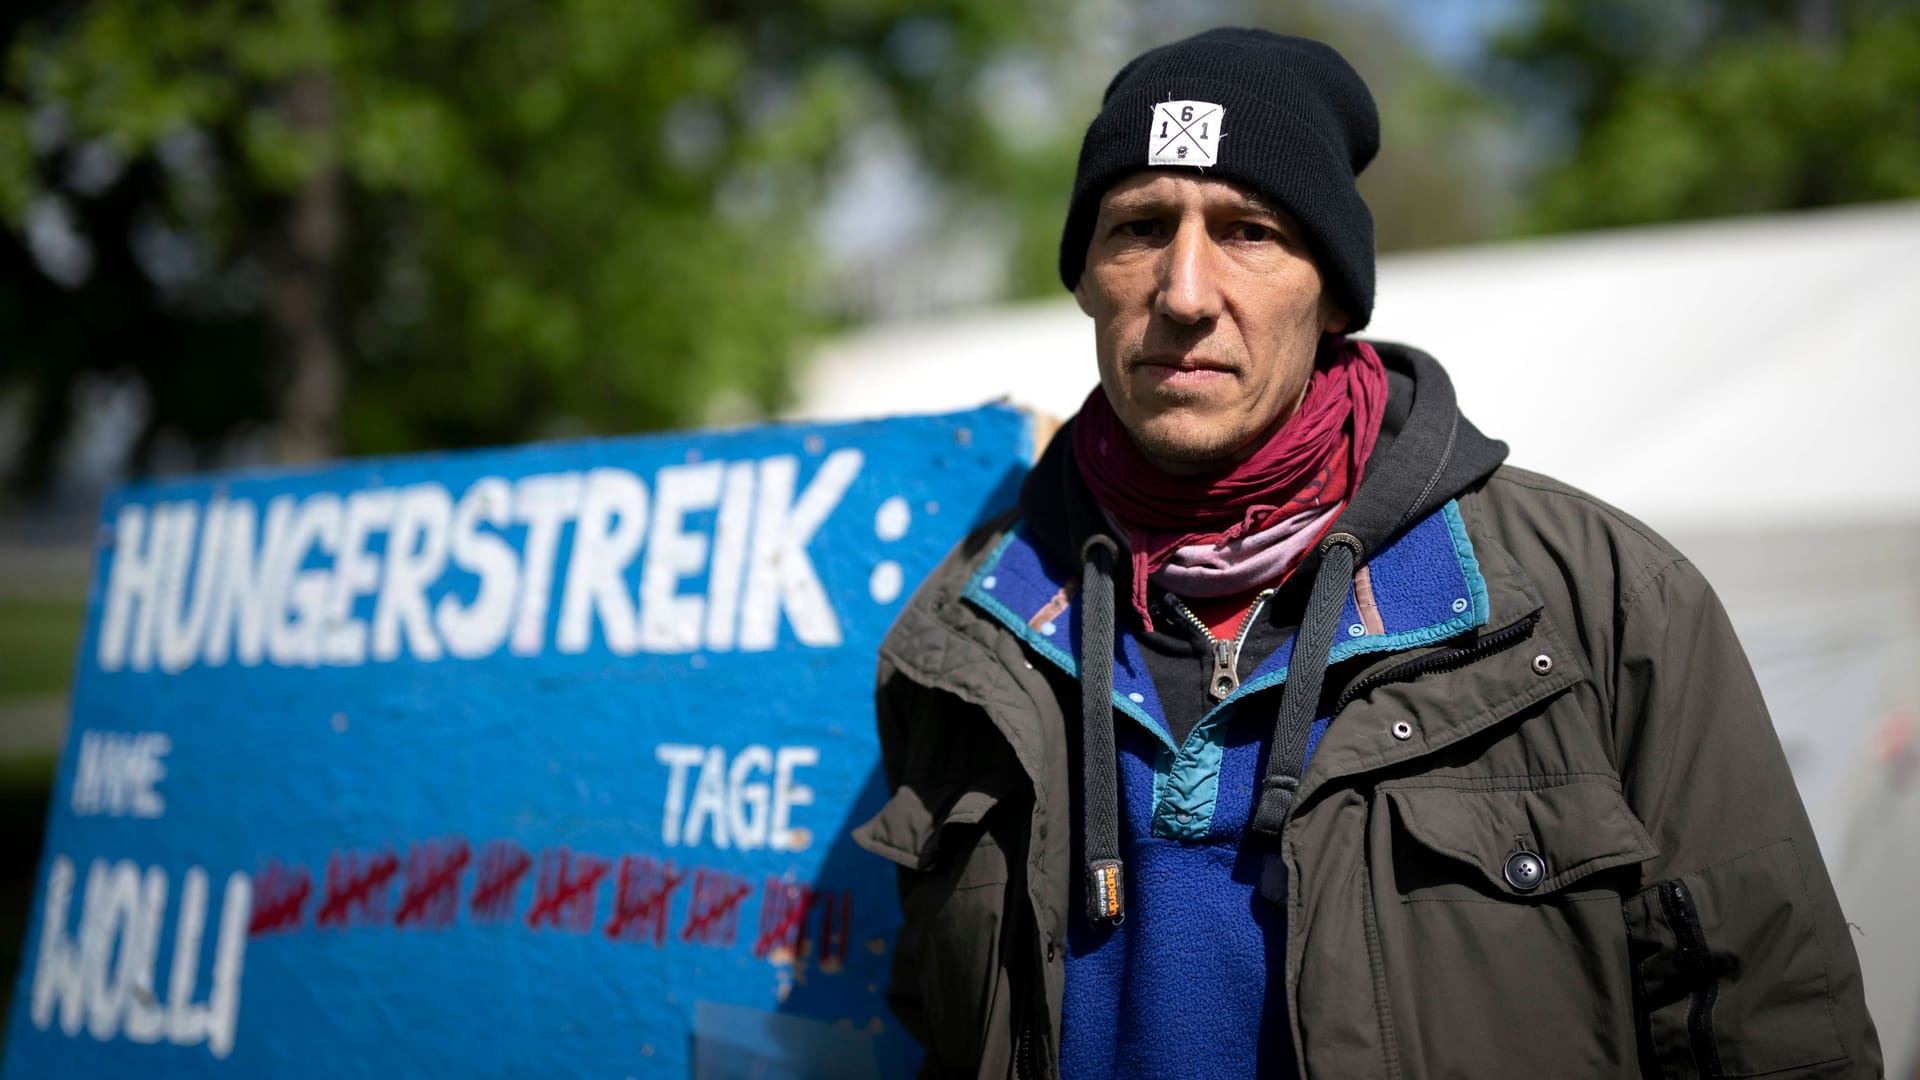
[1104, 903]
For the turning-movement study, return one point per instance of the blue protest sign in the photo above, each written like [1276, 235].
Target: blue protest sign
[519, 762]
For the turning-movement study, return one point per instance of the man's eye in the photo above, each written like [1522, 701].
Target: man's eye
[1141, 229]
[1257, 233]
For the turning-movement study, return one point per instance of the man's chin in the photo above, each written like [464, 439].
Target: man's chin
[1185, 447]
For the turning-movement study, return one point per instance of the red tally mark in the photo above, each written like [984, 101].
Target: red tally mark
[431, 895]
[836, 927]
[783, 920]
[361, 886]
[567, 891]
[280, 898]
[643, 893]
[503, 865]
[713, 914]
[358, 888]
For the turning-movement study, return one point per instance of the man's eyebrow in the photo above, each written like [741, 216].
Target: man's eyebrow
[1262, 205]
[1148, 202]
[1132, 202]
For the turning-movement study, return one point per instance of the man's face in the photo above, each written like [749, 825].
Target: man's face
[1207, 309]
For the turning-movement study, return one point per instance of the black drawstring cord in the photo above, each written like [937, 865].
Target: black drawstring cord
[1098, 762]
[1299, 698]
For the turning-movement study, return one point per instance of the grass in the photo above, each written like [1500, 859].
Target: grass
[26, 782]
[39, 637]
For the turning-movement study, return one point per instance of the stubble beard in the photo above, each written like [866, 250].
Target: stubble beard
[1184, 445]
[1182, 431]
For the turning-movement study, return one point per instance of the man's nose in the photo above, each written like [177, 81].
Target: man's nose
[1190, 280]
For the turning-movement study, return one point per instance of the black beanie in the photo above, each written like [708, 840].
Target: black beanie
[1284, 116]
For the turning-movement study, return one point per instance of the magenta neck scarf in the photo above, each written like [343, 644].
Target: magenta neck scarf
[1304, 472]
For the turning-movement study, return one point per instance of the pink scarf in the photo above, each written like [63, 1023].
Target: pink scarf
[1254, 512]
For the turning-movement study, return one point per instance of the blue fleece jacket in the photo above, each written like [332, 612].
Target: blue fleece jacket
[1192, 983]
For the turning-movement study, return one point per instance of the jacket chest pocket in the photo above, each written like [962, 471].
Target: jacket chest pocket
[1518, 844]
[1501, 930]
[948, 986]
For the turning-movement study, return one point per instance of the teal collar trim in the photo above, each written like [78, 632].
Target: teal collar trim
[1015, 579]
[1423, 588]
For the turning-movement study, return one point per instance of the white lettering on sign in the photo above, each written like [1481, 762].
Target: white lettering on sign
[297, 595]
[611, 526]
[787, 795]
[672, 621]
[103, 978]
[543, 503]
[238, 615]
[709, 555]
[416, 557]
[356, 572]
[118, 774]
[745, 805]
[729, 555]
[477, 628]
[780, 577]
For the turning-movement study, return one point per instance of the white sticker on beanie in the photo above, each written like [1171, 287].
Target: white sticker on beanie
[1185, 133]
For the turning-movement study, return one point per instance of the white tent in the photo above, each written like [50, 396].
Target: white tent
[1745, 386]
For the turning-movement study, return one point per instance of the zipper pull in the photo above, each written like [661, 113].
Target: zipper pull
[1226, 680]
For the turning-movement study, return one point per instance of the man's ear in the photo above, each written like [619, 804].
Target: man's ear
[1333, 317]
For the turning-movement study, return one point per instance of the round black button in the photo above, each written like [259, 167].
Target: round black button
[1525, 870]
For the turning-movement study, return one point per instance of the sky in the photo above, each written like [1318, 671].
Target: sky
[1453, 29]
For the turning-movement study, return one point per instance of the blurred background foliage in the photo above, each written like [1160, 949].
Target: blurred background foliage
[364, 227]
[1660, 110]
[256, 230]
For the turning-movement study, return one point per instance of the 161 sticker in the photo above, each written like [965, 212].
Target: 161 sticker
[1185, 133]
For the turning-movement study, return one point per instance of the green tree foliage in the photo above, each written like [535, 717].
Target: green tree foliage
[1443, 173]
[384, 226]
[1673, 109]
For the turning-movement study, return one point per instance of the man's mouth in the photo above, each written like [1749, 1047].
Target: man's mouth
[1182, 371]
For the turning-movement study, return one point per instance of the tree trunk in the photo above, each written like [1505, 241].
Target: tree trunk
[302, 289]
[1820, 21]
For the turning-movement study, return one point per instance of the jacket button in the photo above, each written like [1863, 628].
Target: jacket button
[1052, 951]
[1402, 730]
[1542, 664]
[1525, 870]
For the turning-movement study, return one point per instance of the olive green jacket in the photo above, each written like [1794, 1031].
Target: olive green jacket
[1604, 717]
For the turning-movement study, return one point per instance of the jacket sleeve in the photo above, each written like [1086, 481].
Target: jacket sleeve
[948, 986]
[895, 707]
[1743, 961]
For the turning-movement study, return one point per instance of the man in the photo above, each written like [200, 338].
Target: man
[1282, 729]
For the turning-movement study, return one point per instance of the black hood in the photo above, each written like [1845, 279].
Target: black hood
[1427, 453]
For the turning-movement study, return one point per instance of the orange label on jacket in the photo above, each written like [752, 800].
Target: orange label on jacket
[1110, 890]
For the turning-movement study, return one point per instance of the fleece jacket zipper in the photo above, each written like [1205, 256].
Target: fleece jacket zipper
[1226, 654]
